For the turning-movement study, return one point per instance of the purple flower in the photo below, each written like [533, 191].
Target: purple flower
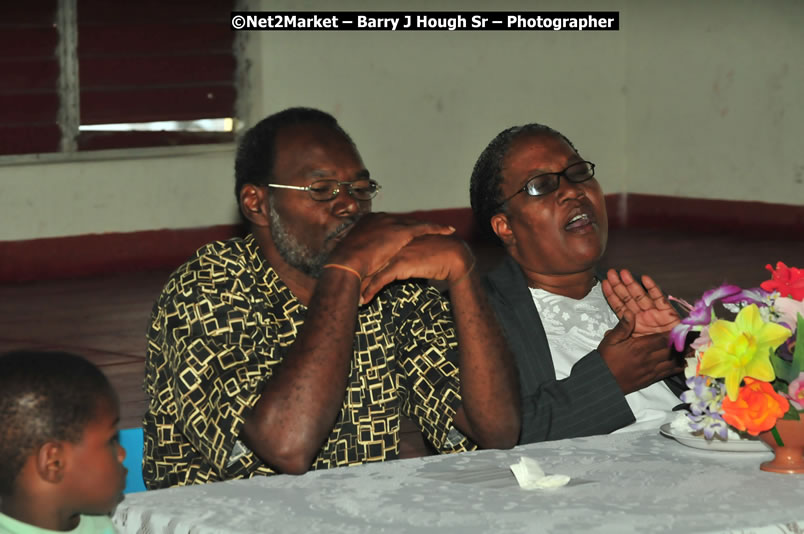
[701, 313]
[678, 336]
[755, 295]
[711, 424]
[703, 395]
[785, 350]
[705, 398]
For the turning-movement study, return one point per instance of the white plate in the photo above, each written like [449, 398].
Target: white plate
[700, 442]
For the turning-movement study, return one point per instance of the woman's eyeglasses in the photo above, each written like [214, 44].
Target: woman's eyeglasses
[544, 184]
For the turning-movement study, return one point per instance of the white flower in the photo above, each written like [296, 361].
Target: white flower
[788, 309]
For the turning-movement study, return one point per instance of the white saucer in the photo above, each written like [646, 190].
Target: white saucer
[698, 441]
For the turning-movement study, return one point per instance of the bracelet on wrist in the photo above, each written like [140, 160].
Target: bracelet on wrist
[343, 268]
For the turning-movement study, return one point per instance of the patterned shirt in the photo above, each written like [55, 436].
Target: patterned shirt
[222, 324]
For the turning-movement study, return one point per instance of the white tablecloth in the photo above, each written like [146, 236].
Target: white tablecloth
[631, 482]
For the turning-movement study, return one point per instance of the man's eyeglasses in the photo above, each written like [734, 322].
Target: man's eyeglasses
[544, 184]
[324, 190]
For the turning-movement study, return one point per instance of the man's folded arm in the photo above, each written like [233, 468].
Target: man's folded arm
[300, 402]
[490, 409]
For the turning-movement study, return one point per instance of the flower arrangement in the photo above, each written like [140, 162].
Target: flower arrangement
[747, 372]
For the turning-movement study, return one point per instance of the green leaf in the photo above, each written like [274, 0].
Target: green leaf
[798, 355]
[791, 414]
[789, 371]
[783, 369]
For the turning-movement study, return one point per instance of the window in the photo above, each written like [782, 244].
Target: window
[94, 74]
[29, 96]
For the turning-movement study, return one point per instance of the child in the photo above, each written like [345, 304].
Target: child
[60, 460]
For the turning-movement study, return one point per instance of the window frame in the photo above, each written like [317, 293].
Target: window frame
[68, 119]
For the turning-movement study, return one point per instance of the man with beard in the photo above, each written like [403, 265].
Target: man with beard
[301, 345]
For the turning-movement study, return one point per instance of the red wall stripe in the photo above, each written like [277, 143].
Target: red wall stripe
[105, 254]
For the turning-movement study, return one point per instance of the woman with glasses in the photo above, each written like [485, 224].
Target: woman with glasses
[591, 346]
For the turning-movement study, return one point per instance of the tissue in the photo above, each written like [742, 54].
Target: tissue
[530, 475]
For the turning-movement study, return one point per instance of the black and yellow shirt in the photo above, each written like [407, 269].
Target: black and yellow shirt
[224, 322]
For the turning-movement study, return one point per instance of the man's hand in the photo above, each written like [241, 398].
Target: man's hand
[433, 257]
[637, 362]
[489, 413]
[378, 237]
[652, 311]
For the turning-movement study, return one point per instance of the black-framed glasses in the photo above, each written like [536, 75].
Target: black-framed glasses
[544, 184]
[324, 190]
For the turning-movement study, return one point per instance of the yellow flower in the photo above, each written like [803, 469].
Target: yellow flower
[742, 348]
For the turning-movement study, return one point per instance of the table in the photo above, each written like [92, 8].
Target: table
[629, 482]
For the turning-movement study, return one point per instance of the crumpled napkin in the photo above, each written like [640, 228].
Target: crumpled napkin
[530, 475]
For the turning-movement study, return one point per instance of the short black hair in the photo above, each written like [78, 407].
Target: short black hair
[44, 396]
[256, 153]
[484, 187]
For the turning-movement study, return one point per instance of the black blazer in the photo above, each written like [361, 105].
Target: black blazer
[586, 403]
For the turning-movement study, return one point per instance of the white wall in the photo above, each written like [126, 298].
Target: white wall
[715, 99]
[422, 105]
[697, 99]
[117, 195]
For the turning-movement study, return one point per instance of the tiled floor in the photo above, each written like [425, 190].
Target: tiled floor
[105, 319]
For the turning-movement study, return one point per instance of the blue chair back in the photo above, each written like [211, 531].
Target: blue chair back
[131, 440]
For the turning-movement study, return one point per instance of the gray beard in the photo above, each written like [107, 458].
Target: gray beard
[297, 254]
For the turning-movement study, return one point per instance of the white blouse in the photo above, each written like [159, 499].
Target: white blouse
[576, 327]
